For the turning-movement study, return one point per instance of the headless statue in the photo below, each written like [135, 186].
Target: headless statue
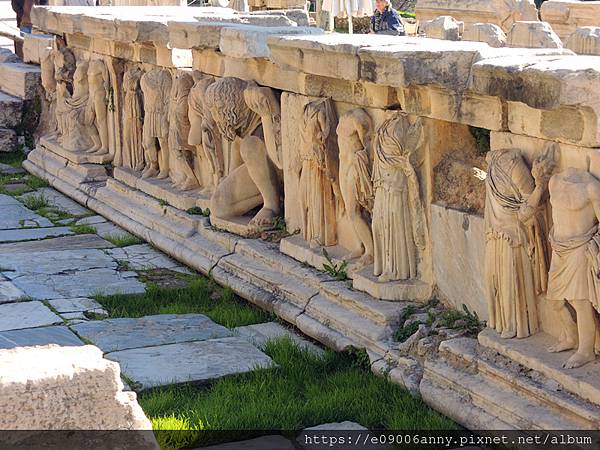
[575, 268]
[354, 140]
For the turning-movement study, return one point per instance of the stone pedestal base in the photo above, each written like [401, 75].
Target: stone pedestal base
[510, 384]
[74, 157]
[235, 225]
[163, 190]
[300, 250]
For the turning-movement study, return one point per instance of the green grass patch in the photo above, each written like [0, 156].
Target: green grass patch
[36, 201]
[13, 159]
[36, 182]
[201, 296]
[122, 240]
[83, 228]
[304, 390]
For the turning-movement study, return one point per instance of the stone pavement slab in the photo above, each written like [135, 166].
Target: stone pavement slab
[259, 334]
[200, 361]
[127, 333]
[66, 305]
[59, 201]
[16, 316]
[86, 283]
[58, 262]
[9, 292]
[29, 234]
[13, 215]
[6, 169]
[109, 229]
[91, 220]
[7, 200]
[59, 335]
[143, 256]
[76, 242]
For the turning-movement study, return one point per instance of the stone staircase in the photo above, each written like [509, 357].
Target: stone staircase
[482, 387]
[19, 100]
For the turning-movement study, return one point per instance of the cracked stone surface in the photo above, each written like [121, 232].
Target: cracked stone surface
[67, 305]
[59, 335]
[14, 214]
[91, 220]
[109, 229]
[84, 241]
[59, 201]
[70, 274]
[9, 292]
[125, 333]
[143, 256]
[16, 316]
[199, 361]
[29, 234]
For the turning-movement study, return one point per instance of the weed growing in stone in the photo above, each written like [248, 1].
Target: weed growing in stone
[337, 271]
[36, 201]
[122, 240]
[35, 182]
[83, 229]
[303, 390]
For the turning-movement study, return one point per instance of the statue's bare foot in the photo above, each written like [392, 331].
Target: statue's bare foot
[188, 185]
[163, 174]
[139, 167]
[263, 219]
[102, 151]
[150, 172]
[508, 334]
[207, 191]
[562, 346]
[314, 244]
[384, 278]
[366, 260]
[578, 360]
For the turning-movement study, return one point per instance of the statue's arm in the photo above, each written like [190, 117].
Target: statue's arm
[593, 189]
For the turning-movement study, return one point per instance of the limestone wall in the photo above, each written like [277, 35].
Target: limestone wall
[340, 96]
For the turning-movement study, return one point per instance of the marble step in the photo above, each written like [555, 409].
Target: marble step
[19, 79]
[11, 109]
[483, 390]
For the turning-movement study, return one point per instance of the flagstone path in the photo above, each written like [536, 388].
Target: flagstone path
[49, 275]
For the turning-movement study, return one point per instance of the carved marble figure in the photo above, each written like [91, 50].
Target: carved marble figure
[252, 127]
[133, 150]
[182, 169]
[574, 275]
[97, 111]
[156, 87]
[319, 185]
[516, 255]
[354, 133]
[399, 224]
[204, 134]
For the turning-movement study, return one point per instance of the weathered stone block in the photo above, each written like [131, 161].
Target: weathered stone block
[8, 140]
[35, 46]
[533, 34]
[47, 379]
[565, 16]
[443, 27]
[585, 41]
[489, 33]
[21, 80]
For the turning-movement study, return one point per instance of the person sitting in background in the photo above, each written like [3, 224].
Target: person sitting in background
[386, 20]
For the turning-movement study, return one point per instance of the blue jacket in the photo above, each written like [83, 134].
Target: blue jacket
[387, 22]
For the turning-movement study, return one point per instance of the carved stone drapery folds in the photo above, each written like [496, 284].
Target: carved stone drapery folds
[133, 151]
[516, 256]
[319, 185]
[573, 276]
[203, 132]
[399, 223]
[156, 86]
[354, 133]
[182, 167]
